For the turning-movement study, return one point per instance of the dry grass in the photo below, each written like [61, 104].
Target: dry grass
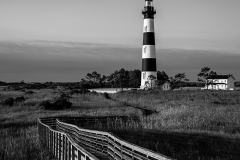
[18, 130]
[210, 111]
[21, 142]
[187, 125]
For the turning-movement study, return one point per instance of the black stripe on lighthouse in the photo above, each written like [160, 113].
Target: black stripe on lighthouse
[149, 64]
[148, 38]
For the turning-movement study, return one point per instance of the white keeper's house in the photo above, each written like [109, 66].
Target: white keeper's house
[221, 82]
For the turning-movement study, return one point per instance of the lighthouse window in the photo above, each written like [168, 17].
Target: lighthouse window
[145, 49]
[144, 75]
[146, 28]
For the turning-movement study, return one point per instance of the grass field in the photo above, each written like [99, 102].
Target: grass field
[18, 129]
[187, 124]
[205, 111]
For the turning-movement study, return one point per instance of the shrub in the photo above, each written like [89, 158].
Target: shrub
[81, 91]
[57, 104]
[20, 99]
[106, 95]
[8, 102]
[61, 103]
[46, 104]
[65, 96]
[29, 92]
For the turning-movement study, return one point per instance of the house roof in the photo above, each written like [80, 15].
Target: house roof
[221, 76]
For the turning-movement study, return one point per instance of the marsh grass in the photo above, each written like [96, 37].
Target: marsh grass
[217, 111]
[18, 130]
[187, 125]
[21, 142]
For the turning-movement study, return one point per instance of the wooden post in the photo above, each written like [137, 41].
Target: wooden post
[69, 150]
[73, 152]
[65, 148]
[79, 155]
[57, 145]
[54, 143]
[50, 139]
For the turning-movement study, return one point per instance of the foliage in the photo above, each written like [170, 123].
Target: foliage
[135, 78]
[29, 92]
[205, 74]
[59, 103]
[180, 79]
[106, 95]
[93, 78]
[8, 102]
[162, 76]
[77, 91]
[150, 83]
[19, 99]
[120, 78]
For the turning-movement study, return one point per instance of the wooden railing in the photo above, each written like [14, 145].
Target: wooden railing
[61, 145]
[67, 141]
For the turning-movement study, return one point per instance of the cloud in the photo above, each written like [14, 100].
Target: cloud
[70, 61]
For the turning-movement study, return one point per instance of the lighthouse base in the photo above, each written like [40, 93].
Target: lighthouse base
[148, 79]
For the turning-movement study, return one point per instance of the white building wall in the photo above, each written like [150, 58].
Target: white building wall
[227, 84]
[230, 83]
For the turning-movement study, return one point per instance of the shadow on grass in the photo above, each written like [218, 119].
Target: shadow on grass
[186, 146]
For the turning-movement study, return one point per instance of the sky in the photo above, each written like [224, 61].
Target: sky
[109, 33]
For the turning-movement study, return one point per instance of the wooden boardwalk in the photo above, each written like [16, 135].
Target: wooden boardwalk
[69, 142]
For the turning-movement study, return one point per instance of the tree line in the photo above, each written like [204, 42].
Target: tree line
[123, 78]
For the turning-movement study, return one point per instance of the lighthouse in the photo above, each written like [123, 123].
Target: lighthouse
[149, 66]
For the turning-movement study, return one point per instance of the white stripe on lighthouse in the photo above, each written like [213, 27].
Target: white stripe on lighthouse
[148, 51]
[148, 25]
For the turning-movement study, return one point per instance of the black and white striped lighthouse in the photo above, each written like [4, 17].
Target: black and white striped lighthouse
[149, 66]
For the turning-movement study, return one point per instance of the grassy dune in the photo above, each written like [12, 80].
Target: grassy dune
[204, 111]
[188, 124]
[18, 129]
